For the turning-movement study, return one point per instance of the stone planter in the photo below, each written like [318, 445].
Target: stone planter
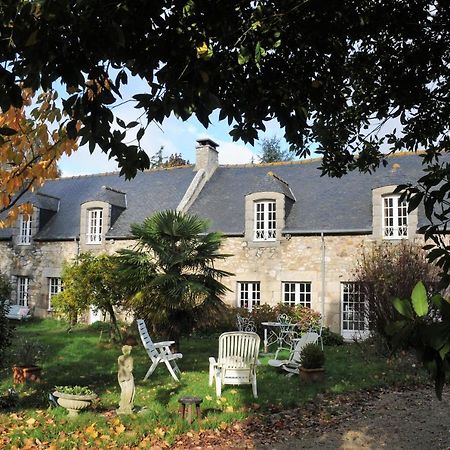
[312, 375]
[21, 374]
[74, 403]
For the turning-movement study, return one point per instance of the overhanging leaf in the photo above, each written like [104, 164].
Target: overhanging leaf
[419, 299]
[403, 307]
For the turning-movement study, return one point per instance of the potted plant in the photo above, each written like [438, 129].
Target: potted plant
[312, 360]
[74, 398]
[26, 355]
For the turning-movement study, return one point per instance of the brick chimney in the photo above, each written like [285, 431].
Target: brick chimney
[207, 156]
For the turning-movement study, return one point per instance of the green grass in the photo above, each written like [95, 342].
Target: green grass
[79, 358]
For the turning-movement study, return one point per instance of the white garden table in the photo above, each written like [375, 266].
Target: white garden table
[279, 333]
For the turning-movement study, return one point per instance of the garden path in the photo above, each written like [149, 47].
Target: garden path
[395, 419]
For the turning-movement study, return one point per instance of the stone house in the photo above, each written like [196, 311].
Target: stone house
[294, 236]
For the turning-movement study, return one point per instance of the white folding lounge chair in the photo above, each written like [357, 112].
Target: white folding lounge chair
[236, 362]
[159, 352]
[18, 312]
[293, 362]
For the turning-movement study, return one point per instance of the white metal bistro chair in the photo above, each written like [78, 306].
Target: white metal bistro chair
[159, 352]
[245, 324]
[287, 332]
[237, 361]
[293, 362]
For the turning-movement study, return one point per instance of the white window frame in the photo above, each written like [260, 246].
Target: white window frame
[249, 294]
[23, 285]
[265, 220]
[25, 230]
[395, 217]
[354, 320]
[296, 293]
[94, 226]
[54, 287]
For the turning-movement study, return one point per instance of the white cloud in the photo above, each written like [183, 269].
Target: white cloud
[232, 153]
[82, 162]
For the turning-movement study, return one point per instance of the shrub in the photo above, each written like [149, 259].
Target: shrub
[28, 352]
[312, 357]
[388, 271]
[330, 338]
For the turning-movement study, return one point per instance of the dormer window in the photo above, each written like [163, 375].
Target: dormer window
[395, 218]
[95, 226]
[25, 229]
[265, 221]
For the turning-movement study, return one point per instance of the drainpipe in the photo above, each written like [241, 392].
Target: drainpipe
[322, 300]
[77, 241]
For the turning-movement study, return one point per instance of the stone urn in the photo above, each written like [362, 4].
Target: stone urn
[74, 403]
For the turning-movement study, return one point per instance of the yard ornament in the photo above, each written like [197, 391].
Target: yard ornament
[126, 381]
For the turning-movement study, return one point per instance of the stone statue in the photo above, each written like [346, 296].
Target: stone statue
[126, 381]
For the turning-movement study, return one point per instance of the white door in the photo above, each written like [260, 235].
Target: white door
[354, 323]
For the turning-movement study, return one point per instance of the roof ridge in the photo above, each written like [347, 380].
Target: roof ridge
[117, 172]
[400, 153]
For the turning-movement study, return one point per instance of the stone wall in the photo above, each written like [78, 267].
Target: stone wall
[296, 259]
[38, 262]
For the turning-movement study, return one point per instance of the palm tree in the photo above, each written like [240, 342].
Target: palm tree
[170, 273]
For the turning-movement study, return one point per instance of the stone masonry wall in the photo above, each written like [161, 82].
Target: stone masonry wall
[296, 259]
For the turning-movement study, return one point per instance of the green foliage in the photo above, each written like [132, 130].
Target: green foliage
[425, 326]
[171, 278]
[331, 338]
[271, 151]
[312, 357]
[28, 352]
[90, 281]
[74, 390]
[388, 271]
[6, 329]
[174, 160]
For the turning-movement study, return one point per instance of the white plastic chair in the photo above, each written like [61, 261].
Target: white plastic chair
[159, 352]
[293, 362]
[237, 361]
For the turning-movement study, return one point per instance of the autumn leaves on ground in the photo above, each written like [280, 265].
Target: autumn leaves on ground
[82, 357]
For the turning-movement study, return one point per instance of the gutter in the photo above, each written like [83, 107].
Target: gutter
[329, 232]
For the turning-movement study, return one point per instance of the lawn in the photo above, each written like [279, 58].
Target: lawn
[80, 358]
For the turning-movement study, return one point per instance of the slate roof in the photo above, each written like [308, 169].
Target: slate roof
[146, 194]
[316, 203]
[322, 203]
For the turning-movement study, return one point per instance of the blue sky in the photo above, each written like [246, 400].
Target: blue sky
[174, 135]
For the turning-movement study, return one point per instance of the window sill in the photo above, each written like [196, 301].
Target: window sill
[262, 244]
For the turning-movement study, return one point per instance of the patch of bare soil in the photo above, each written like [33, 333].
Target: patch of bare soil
[407, 418]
